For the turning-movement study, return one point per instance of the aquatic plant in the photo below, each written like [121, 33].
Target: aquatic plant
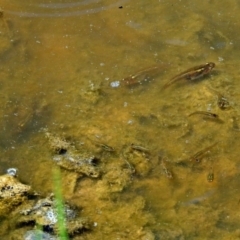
[60, 208]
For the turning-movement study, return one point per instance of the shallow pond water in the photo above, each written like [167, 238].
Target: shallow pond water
[94, 72]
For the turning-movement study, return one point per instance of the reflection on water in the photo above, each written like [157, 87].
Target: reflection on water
[56, 76]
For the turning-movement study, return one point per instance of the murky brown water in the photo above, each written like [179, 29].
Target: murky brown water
[57, 62]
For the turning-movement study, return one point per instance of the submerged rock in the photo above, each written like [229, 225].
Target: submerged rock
[82, 163]
[12, 193]
[68, 157]
[44, 213]
[38, 234]
[12, 172]
[57, 144]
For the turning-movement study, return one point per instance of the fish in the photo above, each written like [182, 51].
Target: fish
[210, 176]
[139, 148]
[144, 151]
[142, 76]
[197, 156]
[205, 113]
[125, 158]
[167, 172]
[235, 124]
[165, 169]
[199, 199]
[104, 146]
[222, 101]
[192, 73]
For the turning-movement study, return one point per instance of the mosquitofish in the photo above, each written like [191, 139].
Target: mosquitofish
[235, 124]
[139, 148]
[210, 176]
[199, 199]
[192, 73]
[167, 172]
[222, 101]
[165, 169]
[125, 158]
[105, 147]
[144, 151]
[142, 76]
[205, 113]
[197, 156]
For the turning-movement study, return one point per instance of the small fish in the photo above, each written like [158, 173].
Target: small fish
[210, 176]
[205, 113]
[197, 156]
[235, 124]
[222, 102]
[192, 73]
[125, 158]
[144, 151]
[105, 147]
[142, 76]
[139, 148]
[165, 169]
[199, 199]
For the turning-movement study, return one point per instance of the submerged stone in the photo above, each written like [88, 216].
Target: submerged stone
[38, 234]
[68, 157]
[12, 193]
[44, 213]
[82, 163]
[12, 171]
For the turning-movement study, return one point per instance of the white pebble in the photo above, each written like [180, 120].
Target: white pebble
[12, 171]
[115, 84]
